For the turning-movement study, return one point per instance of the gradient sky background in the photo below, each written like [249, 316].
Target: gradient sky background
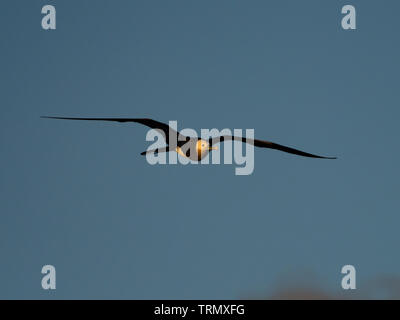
[79, 196]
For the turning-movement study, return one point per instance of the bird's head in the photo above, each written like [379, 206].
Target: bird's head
[203, 147]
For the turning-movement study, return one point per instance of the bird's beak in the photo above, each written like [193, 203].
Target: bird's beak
[213, 148]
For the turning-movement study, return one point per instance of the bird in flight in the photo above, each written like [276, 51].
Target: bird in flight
[190, 147]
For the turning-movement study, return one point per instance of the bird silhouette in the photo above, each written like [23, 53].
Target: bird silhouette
[192, 147]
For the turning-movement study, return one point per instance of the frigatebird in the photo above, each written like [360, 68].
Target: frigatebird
[191, 147]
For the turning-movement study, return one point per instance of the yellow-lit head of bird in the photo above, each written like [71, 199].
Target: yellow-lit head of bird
[203, 148]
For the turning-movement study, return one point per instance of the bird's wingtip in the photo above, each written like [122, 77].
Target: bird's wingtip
[48, 117]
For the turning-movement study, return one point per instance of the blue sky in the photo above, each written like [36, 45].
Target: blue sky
[80, 197]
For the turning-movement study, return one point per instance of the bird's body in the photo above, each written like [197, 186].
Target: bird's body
[194, 148]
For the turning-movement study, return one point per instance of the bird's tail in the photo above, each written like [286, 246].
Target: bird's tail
[158, 150]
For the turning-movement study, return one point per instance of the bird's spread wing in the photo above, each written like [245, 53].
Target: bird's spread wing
[164, 128]
[266, 144]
